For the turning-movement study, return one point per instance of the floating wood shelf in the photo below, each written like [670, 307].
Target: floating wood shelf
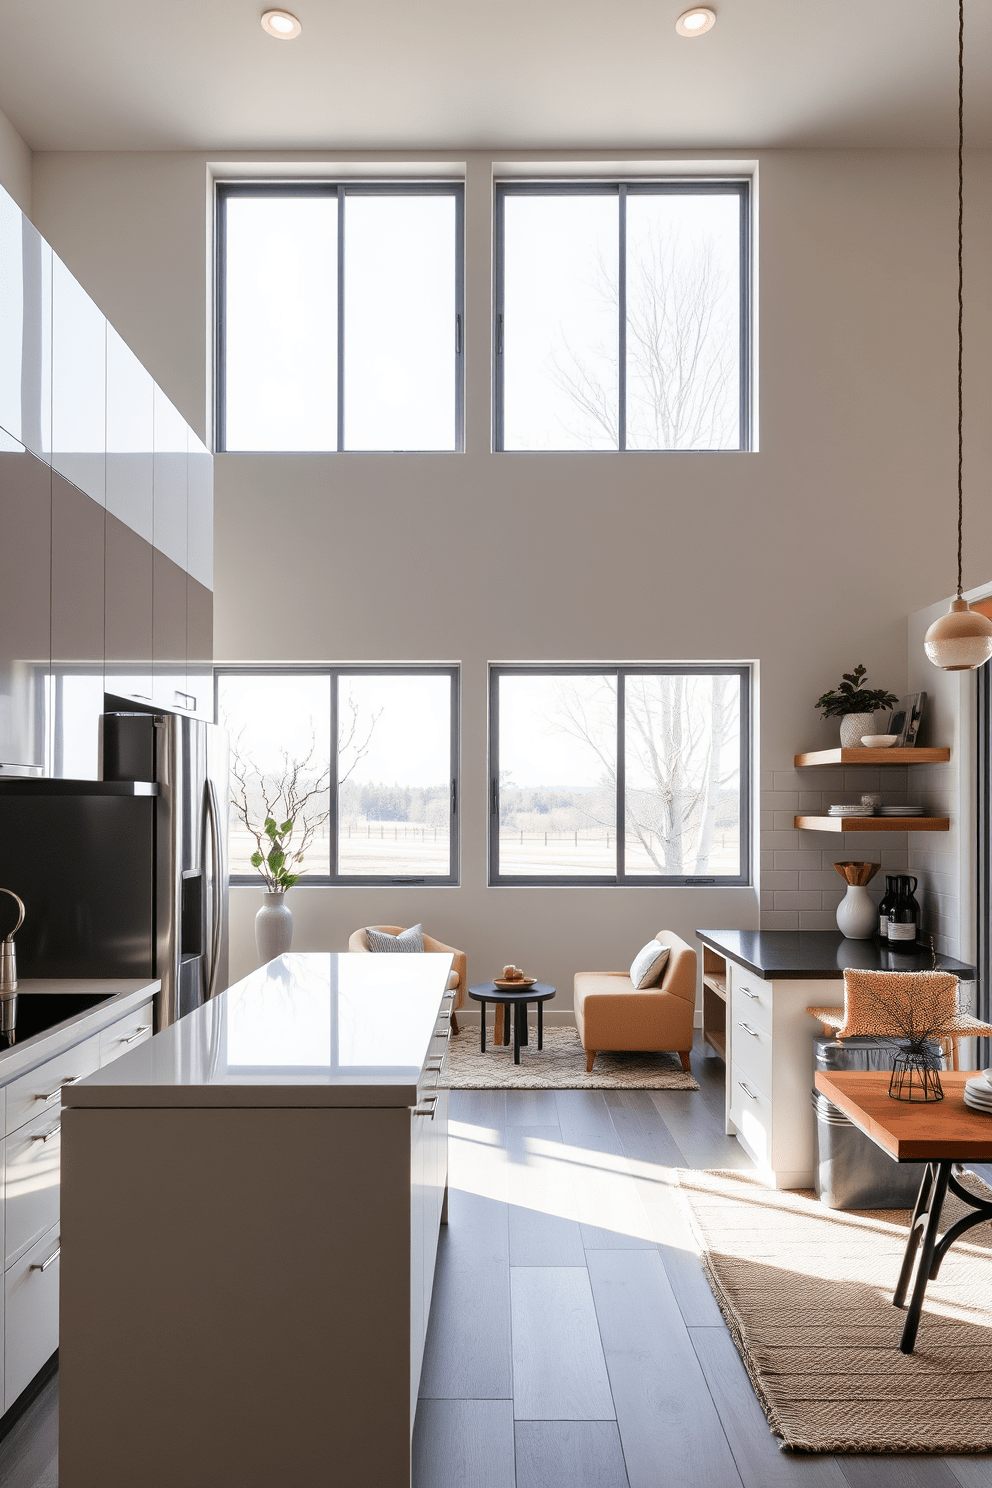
[892, 756]
[873, 823]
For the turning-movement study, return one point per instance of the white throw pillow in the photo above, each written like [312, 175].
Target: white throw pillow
[648, 965]
[407, 940]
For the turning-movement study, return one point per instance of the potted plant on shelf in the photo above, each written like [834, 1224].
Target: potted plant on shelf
[855, 705]
[275, 805]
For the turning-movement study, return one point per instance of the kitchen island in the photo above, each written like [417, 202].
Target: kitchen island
[757, 985]
[251, 1205]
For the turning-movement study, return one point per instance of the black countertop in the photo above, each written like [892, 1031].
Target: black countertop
[815, 955]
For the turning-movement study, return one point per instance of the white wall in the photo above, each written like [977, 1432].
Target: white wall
[805, 557]
[15, 165]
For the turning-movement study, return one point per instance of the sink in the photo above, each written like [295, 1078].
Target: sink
[37, 1012]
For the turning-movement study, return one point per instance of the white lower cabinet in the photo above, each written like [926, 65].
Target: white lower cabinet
[30, 1190]
[770, 1070]
[32, 1182]
[31, 1313]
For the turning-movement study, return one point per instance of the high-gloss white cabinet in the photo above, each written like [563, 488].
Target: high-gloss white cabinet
[31, 1313]
[79, 385]
[30, 1183]
[130, 420]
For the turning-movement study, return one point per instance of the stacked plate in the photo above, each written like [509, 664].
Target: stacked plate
[851, 811]
[900, 811]
[978, 1092]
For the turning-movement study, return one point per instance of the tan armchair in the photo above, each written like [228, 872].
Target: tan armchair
[611, 1013]
[458, 978]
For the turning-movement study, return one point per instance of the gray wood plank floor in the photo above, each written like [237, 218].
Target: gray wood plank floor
[565, 1287]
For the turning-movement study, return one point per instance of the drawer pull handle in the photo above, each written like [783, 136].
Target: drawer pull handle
[747, 1090]
[44, 1265]
[427, 1109]
[136, 1034]
[748, 993]
[56, 1093]
[748, 1029]
[47, 1136]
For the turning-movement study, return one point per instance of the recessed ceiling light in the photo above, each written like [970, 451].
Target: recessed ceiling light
[280, 24]
[696, 21]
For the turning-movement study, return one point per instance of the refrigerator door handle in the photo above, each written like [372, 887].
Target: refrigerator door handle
[217, 887]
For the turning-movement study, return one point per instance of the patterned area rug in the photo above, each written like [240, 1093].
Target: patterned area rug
[560, 1065]
[807, 1295]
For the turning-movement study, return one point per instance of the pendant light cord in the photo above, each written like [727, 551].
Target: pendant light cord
[960, 284]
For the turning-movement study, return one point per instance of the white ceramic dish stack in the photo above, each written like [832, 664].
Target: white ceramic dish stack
[978, 1092]
[851, 811]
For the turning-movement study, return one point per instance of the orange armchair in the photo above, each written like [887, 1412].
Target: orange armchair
[611, 1013]
[457, 980]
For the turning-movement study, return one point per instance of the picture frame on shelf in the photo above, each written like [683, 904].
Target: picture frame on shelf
[904, 720]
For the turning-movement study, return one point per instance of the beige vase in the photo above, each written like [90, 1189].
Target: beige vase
[853, 726]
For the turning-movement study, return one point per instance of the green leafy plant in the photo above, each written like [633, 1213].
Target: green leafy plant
[853, 697]
[278, 875]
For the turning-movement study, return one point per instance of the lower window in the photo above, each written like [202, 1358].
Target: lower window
[364, 760]
[610, 774]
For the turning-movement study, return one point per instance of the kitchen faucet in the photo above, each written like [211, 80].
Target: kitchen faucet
[8, 973]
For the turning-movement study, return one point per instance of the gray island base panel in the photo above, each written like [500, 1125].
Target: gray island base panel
[251, 1206]
[771, 977]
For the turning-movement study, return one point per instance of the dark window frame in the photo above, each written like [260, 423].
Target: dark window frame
[732, 186]
[335, 672]
[620, 879]
[341, 190]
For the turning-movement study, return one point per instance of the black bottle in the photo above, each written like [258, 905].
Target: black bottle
[886, 903]
[904, 915]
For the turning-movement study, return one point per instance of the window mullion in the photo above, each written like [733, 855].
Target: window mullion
[621, 773]
[622, 328]
[341, 196]
[332, 784]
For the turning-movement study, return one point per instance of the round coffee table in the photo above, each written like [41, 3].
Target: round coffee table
[540, 993]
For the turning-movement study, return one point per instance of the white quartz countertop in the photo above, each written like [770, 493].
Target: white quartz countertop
[328, 1028]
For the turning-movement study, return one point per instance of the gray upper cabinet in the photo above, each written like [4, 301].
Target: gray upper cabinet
[130, 421]
[76, 700]
[25, 331]
[79, 385]
[25, 607]
[129, 613]
[201, 512]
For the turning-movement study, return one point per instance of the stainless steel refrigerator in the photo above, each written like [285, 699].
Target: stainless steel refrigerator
[127, 876]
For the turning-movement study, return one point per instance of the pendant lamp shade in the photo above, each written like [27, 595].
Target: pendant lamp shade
[961, 640]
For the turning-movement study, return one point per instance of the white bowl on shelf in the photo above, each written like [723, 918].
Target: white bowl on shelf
[878, 741]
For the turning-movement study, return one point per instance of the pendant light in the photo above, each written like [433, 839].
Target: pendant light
[961, 640]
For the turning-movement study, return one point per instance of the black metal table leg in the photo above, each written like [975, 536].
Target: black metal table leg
[524, 1039]
[516, 1034]
[540, 1024]
[915, 1231]
[507, 1014]
[936, 1204]
[483, 1006]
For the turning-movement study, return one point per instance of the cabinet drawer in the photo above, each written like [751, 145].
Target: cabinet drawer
[40, 1088]
[751, 1113]
[34, 1155]
[126, 1034]
[31, 1305]
[751, 999]
[752, 1053]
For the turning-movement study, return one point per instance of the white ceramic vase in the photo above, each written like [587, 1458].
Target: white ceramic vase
[273, 926]
[857, 917]
[853, 726]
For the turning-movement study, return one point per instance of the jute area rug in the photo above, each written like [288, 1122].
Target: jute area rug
[807, 1295]
[560, 1065]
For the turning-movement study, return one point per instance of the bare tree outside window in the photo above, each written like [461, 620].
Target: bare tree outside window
[677, 296]
[682, 808]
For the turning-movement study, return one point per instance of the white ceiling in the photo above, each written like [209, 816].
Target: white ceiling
[457, 74]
